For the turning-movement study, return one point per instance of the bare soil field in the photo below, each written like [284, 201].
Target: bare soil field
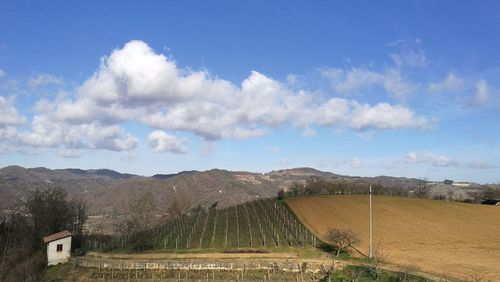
[458, 240]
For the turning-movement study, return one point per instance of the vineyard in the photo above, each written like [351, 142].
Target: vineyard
[265, 223]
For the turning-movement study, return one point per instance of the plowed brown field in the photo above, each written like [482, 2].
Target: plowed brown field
[454, 239]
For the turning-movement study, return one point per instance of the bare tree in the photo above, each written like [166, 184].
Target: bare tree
[342, 239]
[139, 215]
[489, 192]
[475, 195]
[142, 211]
[423, 189]
[376, 263]
[353, 273]
[450, 195]
[80, 215]
[180, 203]
[405, 271]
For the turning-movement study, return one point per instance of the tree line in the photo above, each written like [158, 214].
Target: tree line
[421, 188]
[319, 186]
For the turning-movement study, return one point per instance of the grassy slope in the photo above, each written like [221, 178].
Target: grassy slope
[459, 240]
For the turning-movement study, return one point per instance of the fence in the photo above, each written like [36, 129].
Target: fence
[199, 264]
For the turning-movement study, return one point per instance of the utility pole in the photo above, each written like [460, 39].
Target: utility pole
[370, 250]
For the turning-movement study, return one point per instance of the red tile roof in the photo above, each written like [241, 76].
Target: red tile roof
[56, 236]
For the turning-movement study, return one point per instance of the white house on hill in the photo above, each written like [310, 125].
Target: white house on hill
[58, 247]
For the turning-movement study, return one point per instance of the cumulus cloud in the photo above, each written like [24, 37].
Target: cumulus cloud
[136, 84]
[160, 141]
[357, 116]
[137, 75]
[451, 83]
[146, 86]
[44, 79]
[46, 133]
[9, 114]
[385, 116]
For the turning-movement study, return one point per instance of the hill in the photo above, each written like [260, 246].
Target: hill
[16, 181]
[106, 190]
[455, 239]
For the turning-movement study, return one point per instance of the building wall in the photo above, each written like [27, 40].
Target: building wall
[53, 256]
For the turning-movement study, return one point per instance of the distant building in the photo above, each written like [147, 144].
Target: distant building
[462, 184]
[58, 247]
[490, 202]
[448, 182]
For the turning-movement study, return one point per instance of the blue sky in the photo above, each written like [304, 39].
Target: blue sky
[355, 87]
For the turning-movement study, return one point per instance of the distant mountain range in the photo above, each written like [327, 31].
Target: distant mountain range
[108, 191]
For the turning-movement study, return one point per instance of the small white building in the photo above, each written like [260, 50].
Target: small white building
[58, 247]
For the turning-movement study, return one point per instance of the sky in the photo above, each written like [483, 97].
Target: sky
[400, 88]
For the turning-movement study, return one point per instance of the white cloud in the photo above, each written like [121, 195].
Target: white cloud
[9, 114]
[46, 133]
[160, 141]
[69, 153]
[137, 75]
[357, 116]
[396, 86]
[135, 84]
[8, 134]
[482, 94]
[439, 160]
[405, 41]
[410, 59]
[353, 80]
[385, 116]
[2, 73]
[355, 163]
[167, 97]
[412, 158]
[451, 83]
[44, 79]
[359, 79]
[430, 158]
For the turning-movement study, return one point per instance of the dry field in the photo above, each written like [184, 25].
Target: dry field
[458, 240]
